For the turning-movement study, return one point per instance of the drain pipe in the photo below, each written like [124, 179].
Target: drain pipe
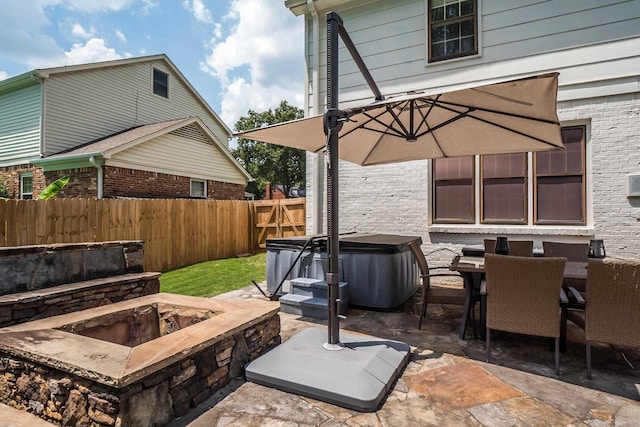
[318, 161]
[92, 160]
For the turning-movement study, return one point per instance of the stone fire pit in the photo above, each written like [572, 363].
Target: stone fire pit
[143, 361]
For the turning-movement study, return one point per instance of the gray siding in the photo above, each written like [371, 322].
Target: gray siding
[20, 124]
[391, 38]
[176, 155]
[85, 105]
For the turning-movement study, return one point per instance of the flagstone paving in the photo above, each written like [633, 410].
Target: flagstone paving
[446, 382]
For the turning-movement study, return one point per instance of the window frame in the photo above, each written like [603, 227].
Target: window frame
[160, 85]
[525, 192]
[454, 180]
[582, 175]
[204, 188]
[530, 188]
[26, 195]
[429, 25]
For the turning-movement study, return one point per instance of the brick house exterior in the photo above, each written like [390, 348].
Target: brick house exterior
[107, 127]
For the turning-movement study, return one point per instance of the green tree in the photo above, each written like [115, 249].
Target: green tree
[278, 165]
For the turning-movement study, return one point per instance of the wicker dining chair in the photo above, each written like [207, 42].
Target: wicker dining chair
[434, 295]
[573, 252]
[578, 252]
[613, 297]
[523, 296]
[516, 247]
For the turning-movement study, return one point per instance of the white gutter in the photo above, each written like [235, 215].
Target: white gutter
[318, 163]
[92, 160]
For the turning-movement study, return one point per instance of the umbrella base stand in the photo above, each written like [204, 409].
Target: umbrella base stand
[358, 376]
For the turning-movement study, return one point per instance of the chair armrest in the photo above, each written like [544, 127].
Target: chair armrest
[575, 294]
[563, 297]
[445, 274]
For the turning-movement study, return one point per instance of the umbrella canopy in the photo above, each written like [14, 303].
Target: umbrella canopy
[508, 117]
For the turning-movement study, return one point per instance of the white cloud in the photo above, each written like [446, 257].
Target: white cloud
[121, 36]
[199, 10]
[92, 5]
[94, 50]
[265, 39]
[4, 75]
[24, 40]
[148, 5]
[79, 31]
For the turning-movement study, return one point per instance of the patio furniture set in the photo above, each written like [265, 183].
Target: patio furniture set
[538, 293]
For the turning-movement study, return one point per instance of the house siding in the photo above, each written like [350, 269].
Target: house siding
[175, 155]
[391, 38]
[20, 124]
[84, 105]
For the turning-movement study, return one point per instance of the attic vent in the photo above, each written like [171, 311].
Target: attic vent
[191, 132]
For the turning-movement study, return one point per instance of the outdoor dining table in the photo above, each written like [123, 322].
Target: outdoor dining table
[471, 268]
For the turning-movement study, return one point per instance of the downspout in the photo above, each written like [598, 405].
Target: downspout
[92, 160]
[318, 162]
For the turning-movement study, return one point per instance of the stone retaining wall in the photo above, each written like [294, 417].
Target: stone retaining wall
[28, 268]
[47, 280]
[65, 399]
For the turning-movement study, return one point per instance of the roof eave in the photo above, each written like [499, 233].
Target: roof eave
[75, 161]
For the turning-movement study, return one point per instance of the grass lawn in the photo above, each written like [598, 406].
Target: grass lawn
[211, 278]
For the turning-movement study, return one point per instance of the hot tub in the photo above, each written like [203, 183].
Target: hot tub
[379, 268]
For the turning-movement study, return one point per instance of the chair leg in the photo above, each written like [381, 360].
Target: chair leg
[588, 348]
[465, 312]
[488, 340]
[557, 356]
[423, 313]
[563, 328]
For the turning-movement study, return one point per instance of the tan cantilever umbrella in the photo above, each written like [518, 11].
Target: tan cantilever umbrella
[507, 117]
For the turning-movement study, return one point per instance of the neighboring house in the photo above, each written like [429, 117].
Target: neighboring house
[272, 192]
[277, 192]
[591, 189]
[126, 128]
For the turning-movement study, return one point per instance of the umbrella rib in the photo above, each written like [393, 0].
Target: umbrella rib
[466, 114]
[372, 118]
[444, 104]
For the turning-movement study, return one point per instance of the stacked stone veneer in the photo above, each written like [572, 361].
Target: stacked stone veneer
[47, 280]
[67, 400]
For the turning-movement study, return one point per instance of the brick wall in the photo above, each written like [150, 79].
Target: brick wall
[614, 145]
[11, 175]
[118, 182]
[83, 182]
[137, 183]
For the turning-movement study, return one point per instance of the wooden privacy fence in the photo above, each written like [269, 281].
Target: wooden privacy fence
[176, 232]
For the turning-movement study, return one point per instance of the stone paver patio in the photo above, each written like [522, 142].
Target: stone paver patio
[446, 382]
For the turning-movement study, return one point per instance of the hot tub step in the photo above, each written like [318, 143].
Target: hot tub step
[308, 306]
[317, 288]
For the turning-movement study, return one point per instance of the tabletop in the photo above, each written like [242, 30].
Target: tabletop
[475, 264]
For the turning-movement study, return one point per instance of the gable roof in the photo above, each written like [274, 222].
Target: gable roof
[97, 151]
[34, 76]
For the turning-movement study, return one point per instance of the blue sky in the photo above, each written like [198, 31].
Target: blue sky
[238, 54]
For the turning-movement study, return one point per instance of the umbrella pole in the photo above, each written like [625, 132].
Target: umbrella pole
[332, 127]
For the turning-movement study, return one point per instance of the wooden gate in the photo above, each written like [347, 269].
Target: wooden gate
[279, 218]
